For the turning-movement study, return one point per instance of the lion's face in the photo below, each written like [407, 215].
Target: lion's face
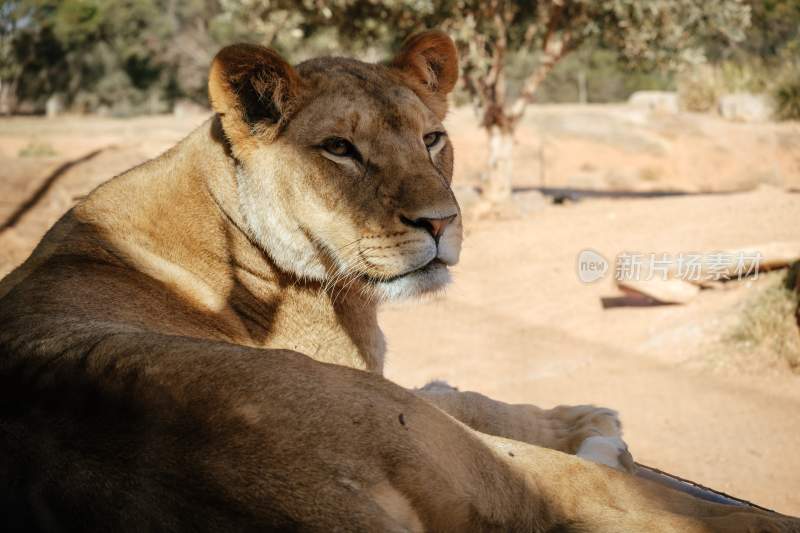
[355, 187]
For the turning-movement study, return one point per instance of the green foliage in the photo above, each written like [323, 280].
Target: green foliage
[606, 80]
[93, 53]
[772, 37]
[667, 33]
[787, 97]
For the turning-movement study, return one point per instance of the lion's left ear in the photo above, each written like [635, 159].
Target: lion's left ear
[428, 62]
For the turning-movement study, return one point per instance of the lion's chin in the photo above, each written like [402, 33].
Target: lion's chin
[431, 278]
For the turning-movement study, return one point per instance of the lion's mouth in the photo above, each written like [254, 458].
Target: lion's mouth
[431, 265]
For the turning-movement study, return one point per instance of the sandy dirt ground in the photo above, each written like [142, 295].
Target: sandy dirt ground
[517, 324]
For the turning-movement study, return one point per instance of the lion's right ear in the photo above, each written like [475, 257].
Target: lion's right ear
[253, 89]
[428, 61]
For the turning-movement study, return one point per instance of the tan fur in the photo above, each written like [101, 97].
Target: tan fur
[165, 352]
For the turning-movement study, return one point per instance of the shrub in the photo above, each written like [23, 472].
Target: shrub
[699, 89]
[787, 97]
[767, 326]
[749, 76]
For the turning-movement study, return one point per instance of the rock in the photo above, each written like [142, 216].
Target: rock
[745, 107]
[668, 291]
[769, 255]
[656, 101]
[719, 267]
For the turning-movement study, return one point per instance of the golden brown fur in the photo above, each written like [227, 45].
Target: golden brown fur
[165, 353]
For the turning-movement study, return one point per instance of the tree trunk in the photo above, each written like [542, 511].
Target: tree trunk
[7, 99]
[497, 188]
[500, 123]
[583, 95]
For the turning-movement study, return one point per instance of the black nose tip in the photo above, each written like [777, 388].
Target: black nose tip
[434, 226]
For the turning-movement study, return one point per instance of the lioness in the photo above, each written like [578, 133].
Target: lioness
[194, 347]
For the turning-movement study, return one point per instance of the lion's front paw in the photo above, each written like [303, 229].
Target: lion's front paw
[610, 451]
[594, 433]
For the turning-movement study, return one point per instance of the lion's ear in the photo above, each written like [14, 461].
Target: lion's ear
[253, 90]
[428, 61]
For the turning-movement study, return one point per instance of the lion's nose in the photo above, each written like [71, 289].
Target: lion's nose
[434, 226]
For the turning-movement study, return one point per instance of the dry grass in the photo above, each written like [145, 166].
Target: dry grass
[767, 327]
[37, 148]
[650, 173]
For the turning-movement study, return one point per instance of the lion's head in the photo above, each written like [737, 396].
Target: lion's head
[344, 167]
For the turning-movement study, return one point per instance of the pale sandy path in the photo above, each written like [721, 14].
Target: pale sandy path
[518, 325]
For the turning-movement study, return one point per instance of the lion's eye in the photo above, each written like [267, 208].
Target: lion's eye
[430, 139]
[340, 147]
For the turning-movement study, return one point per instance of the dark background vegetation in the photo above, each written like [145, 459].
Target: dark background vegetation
[141, 56]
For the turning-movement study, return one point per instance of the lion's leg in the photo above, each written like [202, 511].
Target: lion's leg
[593, 433]
[588, 497]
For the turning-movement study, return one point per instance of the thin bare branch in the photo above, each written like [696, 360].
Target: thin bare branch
[550, 58]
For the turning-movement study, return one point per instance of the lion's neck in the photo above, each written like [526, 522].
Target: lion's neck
[280, 310]
[203, 252]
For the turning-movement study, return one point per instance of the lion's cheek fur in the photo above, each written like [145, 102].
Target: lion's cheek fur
[269, 209]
